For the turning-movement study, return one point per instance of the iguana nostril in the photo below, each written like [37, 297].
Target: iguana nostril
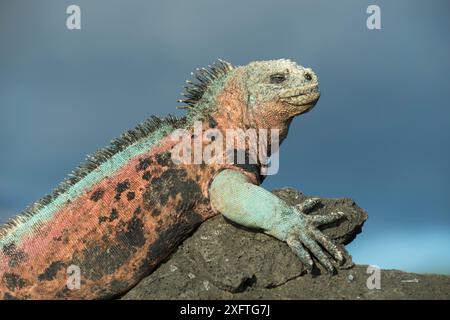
[308, 76]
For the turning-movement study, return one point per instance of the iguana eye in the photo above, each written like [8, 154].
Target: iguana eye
[277, 78]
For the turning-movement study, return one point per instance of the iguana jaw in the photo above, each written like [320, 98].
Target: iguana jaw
[301, 96]
[304, 97]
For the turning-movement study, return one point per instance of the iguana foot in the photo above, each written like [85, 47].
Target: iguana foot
[307, 241]
[254, 207]
[307, 205]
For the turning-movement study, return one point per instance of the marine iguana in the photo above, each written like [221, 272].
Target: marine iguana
[128, 206]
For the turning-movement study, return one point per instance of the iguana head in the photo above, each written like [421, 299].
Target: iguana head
[263, 94]
[280, 86]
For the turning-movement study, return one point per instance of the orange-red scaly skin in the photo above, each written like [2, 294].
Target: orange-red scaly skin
[119, 230]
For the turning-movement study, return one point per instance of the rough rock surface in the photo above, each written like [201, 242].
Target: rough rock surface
[222, 261]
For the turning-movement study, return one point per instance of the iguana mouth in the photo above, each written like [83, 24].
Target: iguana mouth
[301, 96]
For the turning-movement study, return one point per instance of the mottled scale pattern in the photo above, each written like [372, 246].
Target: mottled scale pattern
[119, 226]
[117, 232]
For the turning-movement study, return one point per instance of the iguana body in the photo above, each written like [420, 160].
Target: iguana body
[122, 212]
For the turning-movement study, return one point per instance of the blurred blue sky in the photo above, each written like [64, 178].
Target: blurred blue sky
[380, 133]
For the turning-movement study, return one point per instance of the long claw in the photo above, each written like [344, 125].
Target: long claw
[317, 252]
[328, 245]
[320, 219]
[302, 254]
[308, 205]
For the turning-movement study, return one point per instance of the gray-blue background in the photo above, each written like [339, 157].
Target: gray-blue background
[379, 134]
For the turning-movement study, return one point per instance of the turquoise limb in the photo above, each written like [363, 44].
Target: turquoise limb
[249, 205]
[239, 200]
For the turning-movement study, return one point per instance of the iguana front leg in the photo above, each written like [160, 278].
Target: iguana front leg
[233, 195]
